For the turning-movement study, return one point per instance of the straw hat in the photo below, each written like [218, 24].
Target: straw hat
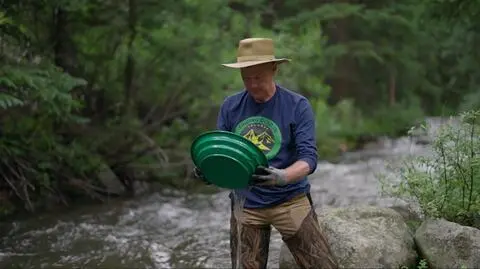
[253, 51]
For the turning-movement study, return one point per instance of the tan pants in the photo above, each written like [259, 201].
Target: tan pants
[296, 221]
[286, 218]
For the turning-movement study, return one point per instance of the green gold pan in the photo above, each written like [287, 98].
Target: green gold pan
[227, 160]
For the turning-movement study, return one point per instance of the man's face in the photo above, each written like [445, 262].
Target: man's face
[258, 78]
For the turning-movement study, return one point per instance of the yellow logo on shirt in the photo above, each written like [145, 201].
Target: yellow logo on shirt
[262, 132]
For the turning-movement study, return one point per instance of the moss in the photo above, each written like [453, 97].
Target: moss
[413, 224]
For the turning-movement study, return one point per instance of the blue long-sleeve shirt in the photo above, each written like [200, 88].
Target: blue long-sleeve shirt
[283, 128]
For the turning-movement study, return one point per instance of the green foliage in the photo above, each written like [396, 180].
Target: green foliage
[129, 84]
[8, 101]
[336, 126]
[393, 120]
[36, 161]
[471, 101]
[47, 89]
[422, 264]
[447, 183]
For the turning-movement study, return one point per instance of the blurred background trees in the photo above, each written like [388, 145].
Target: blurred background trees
[126, 85]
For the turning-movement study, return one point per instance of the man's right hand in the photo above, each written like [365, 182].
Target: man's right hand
[199, 175]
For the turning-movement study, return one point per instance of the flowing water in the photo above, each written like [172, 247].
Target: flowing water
[173, 229]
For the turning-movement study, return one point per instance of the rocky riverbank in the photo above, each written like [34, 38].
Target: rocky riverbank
[377, 237]
[175, 228]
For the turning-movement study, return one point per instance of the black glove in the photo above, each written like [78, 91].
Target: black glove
[199, 175]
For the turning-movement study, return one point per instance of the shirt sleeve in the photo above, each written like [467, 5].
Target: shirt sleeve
[305, 140]
[222, 118]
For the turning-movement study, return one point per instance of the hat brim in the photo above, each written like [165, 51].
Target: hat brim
[252, 63]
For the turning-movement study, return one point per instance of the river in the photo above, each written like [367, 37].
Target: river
[173, 229]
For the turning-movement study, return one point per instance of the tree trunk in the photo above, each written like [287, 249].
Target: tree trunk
[63, 47]
[392, 88]
[130, 65]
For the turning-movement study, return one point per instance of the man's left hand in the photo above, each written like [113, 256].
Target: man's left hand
[270, 176]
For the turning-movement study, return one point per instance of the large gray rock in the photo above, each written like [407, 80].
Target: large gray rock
[448, 245]
[364, 237]
[110, 181]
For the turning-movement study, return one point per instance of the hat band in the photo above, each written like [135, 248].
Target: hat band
[255, 58]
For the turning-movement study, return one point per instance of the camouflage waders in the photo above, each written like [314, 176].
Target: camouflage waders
[297, 222]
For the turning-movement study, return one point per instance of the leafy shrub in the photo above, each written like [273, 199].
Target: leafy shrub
[394, 120]
[445, 184]
[339, 127]
[35, 106]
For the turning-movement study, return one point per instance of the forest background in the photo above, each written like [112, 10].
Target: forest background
[126, 85]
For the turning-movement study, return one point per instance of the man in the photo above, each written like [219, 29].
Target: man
[281, 123]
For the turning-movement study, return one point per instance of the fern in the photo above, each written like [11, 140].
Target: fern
[47, 89]
[4, 19]
[7, 101]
